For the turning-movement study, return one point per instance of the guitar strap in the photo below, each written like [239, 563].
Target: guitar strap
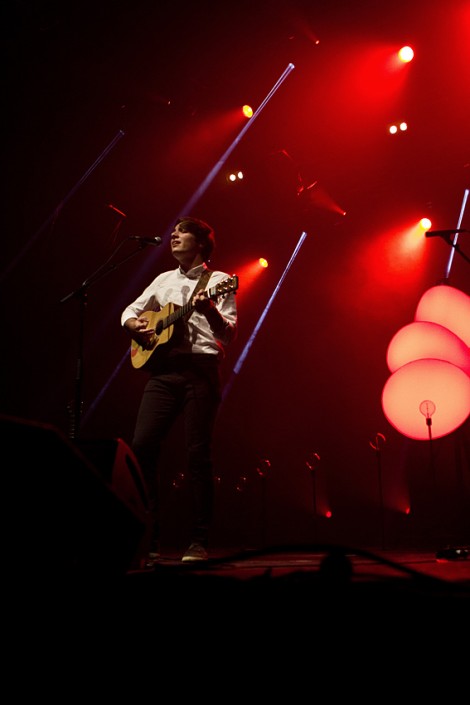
[202, 283]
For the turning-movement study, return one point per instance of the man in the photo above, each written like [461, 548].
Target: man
[184, 370]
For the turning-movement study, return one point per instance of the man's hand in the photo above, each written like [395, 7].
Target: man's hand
[202, 303]
[138, 329]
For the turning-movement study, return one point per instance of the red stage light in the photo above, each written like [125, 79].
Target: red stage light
[425, 224]
[406, 54]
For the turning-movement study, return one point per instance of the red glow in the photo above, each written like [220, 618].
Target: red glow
[373, 79]
[328, 514]
[317, 196]
[402, 248]
[248, 275]
[204, 140]
[385, 265]
[412, 239]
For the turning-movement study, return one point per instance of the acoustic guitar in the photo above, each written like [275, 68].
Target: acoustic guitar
[162, 322]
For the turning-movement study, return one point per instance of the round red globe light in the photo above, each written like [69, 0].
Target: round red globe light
[423, 339]
[448, 306]
[427, 398]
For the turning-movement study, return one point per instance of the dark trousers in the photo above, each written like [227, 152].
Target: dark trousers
[187, 385]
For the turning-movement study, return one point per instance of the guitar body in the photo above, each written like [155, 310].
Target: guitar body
[163, 332]
[163, 321]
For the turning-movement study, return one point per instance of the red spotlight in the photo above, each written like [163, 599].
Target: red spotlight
[234, 176]
[402, 127]
[263, 262]
[247, 111]
[317, 196]
[406, 54]
[425, 223]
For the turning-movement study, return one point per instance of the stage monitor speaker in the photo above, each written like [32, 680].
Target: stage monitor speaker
[120, 469]
[63, 517]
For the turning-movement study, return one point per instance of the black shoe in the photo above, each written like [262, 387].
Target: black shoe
[196, 552]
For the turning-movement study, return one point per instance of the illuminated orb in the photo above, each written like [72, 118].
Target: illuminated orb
[423, 339]
[425, 223]
[406, 54]
[435, 387]
[447, 306]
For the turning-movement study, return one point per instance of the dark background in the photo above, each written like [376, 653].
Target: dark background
[122, 103]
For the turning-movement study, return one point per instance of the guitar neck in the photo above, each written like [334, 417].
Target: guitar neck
[179, 313]
[187, 308]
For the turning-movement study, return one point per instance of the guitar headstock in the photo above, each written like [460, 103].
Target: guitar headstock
[227, 286]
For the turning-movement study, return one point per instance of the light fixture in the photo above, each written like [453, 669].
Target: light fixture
[234, 176]
[430, 364]
[406, 54]
[427, 385]
[448, 306]
[424, 339]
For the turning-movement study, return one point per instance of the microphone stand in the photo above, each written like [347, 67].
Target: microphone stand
[75, 409]
[456, 246]
[380, 438]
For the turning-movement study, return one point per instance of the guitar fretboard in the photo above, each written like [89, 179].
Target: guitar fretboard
[173, 317]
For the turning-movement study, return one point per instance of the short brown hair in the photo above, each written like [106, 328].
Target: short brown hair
[202, 232]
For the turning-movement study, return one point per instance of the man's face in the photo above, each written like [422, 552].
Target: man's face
[183, 242]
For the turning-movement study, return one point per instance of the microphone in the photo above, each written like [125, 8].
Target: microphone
[155, 241]
[445, 233]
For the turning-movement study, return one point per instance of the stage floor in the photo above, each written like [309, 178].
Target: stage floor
[450, 564]
[299, 573]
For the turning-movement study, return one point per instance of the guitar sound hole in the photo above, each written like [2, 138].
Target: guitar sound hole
[159, 327]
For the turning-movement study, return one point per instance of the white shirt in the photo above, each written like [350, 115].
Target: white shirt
[176, 287]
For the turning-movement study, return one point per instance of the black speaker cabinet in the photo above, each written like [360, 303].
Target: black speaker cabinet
[119, 467]
[63, 514]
